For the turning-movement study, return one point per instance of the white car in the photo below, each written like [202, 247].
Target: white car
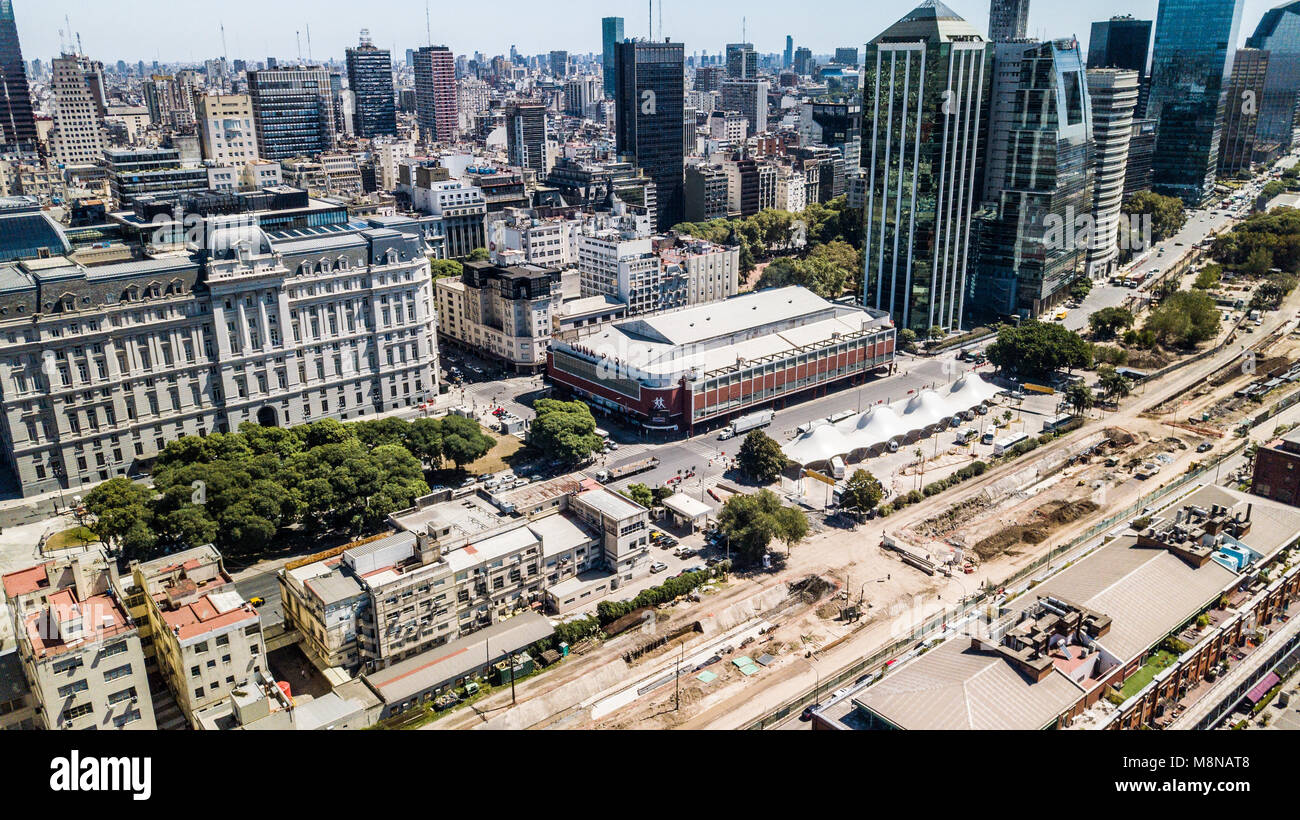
[658, 566]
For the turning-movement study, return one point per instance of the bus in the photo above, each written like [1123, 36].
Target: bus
[1003, 444]
[1056, 423]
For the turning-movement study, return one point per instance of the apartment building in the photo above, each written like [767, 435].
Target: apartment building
[102, 365]
[461, 208]
[751, 186]
[252, 176]
[207, 640]
[457, 566]
[505, 312]
[79, 136]
[79, 650]
[712, 271]
[612, 264]
[226, 128]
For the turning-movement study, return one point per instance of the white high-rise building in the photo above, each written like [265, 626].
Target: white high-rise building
[226, 128]
[78, 137]
[1114, 95]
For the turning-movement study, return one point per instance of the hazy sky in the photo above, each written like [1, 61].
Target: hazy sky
[182, 30]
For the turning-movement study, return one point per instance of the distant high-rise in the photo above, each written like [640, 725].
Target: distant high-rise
[17, 123]
[917, 235]
[1237, 146]
[803, 61]
[1114, 96]
[1123, 42]
[78, 137]
[1278, 33]
[749, 97]
[787, 59]
[559, 64]
[648, 119]
[1190, 68]
[611, 33]
[435, 94]
[526, 136]
[1008, 20]
[1038, 176]
[1141, 156]
[370, 78]
[709, 78]
[293, 111]
[742, 61]
[846, 56]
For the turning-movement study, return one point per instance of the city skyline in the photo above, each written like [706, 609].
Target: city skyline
[399, 24]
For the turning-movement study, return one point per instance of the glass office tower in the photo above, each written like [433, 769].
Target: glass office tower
[924, 105]
[611, 33]
[1190, 68]
[17, 124]
[1278, 33]
[1123, 42]
[648, 120]
[370, 77]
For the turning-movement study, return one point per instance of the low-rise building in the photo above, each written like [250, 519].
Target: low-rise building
[207, 639]
[79, 650]
[1277, 470]
[506, 313]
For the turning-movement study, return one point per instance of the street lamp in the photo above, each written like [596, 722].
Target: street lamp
[817, 690]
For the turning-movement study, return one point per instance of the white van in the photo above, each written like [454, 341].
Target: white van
[837, 468]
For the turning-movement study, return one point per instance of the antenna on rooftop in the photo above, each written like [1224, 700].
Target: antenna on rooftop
[428, 28]
[298, 36]
[309, 43]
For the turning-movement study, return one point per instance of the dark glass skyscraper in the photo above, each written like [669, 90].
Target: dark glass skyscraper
[1190, 68]
[1278, 33]
[1039, 177]
[648, 119]
[17, 124]
[611, 34]
[1123, 42]
[742, 61]
[1008, 20]
[370, 76]
[1237, 146]
[924, 104]
[293, 111]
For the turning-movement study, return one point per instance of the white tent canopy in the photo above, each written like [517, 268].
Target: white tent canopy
[884, 423]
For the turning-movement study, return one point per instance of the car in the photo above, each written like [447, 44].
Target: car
[696, 568]
[658, 566]
[613, 445]
[1204, 447]
[685, 552]
[711, 562]
[655, 535]
[668, 541]
[257, 600]
[469, 482]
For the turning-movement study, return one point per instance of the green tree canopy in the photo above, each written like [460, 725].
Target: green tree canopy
[1037, 349]
[751, 522]
[760, 457]
[1108, 321]
[863, 491]
[439, 268]
[1184, 319]
[565, 430]
[1167, 213]
[463, 441]
[124, 516]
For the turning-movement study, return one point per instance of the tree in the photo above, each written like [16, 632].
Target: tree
[750, 522]
[1184, 319]
[565, 430]
[424, 440]
[641, 494]
[791, 527]
[1112, 384]
[1108, 321]
[124, 516]
[463, 441]
[1081, 288]
[479, 255]
[907, 340]
[1209, 277]
[1079, 396]
[439, 268]
[760, 457]
[1038, 348]
[1167, 214]
[863, 491]
[1258, 262]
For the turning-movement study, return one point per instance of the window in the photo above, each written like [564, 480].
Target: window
[125, 694]
[73, 688]
[78, 711]
[119, 672]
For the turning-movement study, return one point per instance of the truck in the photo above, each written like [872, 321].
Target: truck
[746, 423]
[617, 471]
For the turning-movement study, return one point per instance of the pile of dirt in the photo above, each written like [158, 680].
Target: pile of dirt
[952, 518]
[1043, 522]
[811, 588]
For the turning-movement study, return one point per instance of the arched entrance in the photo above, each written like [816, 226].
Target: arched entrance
[267, 417]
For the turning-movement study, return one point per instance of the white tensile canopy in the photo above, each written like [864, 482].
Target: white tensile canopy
[884, 423]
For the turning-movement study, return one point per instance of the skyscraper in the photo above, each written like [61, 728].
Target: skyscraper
[648, 119]
[611, 33]
[749, 97]
[787, 59]
[803, 61]
[435, 94]
[1123, 42]
[1237, 147]
[1190, 66]
[78, 136]
[1114, 95]
[1038, 177]
[559, 64]
[742, 61]
[370, 78]
[847, 56]
[1008, 20]
[925, 84]
[526, 136]
[17, 123]
[1278, 33]
[293, 111]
